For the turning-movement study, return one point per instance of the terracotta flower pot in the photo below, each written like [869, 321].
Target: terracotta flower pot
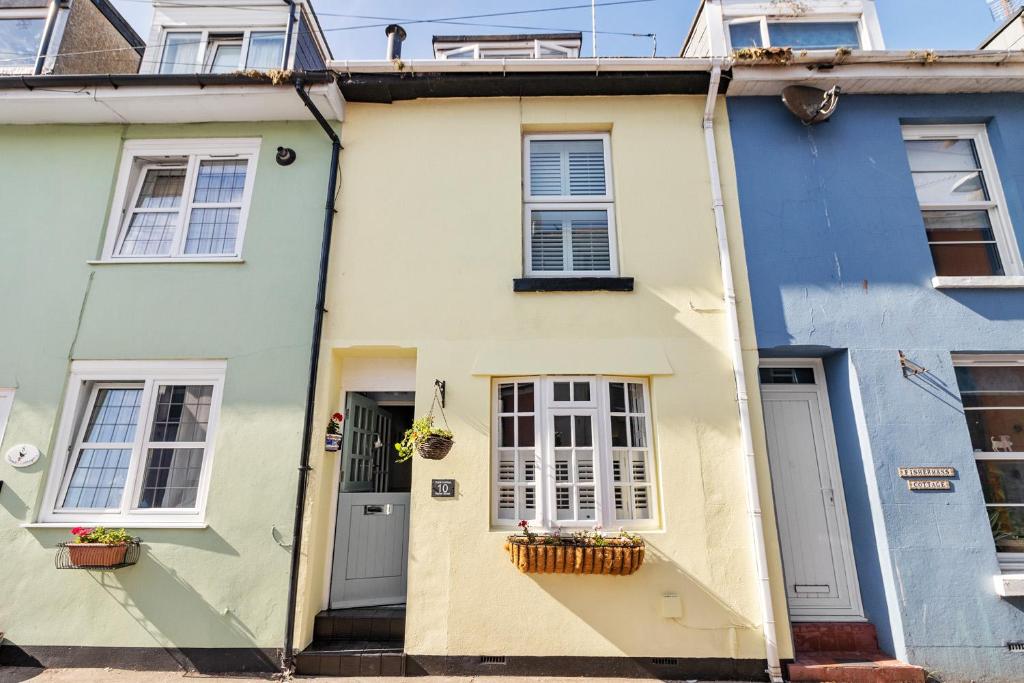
[614, 559]
[97, 554]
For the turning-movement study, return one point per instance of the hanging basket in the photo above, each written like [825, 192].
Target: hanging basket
[614, 559]
[435, 447]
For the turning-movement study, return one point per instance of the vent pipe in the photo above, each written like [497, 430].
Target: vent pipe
[396, 34]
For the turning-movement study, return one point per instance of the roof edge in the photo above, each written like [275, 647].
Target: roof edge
[121, 25]
[1002, 28]
[169, 80]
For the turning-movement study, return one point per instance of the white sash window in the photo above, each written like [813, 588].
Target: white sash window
[569, 222]
[573, 452]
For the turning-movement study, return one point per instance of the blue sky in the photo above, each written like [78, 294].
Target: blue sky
[906, 24]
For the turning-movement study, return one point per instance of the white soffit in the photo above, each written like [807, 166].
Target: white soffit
[166, 104]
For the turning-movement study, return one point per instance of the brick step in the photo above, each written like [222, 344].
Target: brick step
[834, 636]
[853, 667]
[351, 658]
[363, 623]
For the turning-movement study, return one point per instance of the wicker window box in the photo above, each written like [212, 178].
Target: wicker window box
[614, 557]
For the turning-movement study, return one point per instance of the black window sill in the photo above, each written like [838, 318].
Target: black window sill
[572, 284]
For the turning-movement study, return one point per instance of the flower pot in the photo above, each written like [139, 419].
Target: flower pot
[332, 442]
[97, 554]
[614, 559]
[435, 447]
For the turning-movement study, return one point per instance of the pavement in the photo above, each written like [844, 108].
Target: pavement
[17, 675]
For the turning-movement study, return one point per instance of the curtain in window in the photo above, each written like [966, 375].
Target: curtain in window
[266, 50]
[181, 51]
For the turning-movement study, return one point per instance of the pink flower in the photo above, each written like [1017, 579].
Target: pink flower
[523, 523]
[81, 531]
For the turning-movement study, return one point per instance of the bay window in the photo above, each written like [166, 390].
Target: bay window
[574, 452]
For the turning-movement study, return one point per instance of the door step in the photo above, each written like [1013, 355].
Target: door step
[845, 652]
[853, 667]
[366, 641]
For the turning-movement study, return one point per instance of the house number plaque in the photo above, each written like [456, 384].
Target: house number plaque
[442, 488]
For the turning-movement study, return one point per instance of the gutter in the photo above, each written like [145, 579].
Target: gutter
[52, 81]
[736, 350]
[288, 654]
[504, 66]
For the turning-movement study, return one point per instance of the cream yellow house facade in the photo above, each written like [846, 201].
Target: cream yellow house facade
[433, 280]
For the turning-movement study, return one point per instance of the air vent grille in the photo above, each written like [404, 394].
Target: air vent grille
[1016, 646]
[492, 659]
[664, 661]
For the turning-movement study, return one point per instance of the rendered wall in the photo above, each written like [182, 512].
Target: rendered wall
[428, 241]
[219, 587]
[838, 260]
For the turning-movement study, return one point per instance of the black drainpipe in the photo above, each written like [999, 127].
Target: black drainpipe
[314, 359]
[288, 34]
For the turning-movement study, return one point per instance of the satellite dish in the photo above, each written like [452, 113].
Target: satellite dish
[810, 105]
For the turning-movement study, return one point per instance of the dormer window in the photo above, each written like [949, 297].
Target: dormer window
[537, 46]
[795, 34]
[218, 52]
[19, 40]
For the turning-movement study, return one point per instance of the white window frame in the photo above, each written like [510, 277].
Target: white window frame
[85, 377]
[532, 50]
[604, 203]
[202, 63]
[1002, 228]
[1007, 561]
[129, 184]
[862, 31]
[6, 404]
[604, 487]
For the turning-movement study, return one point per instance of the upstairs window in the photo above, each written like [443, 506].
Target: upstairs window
[961, 201]
[573, 452]
[138, 440]
[185, 199]
[187, 52]
[19, 43]
[992, 391]
[798, 35]
[569, 224]
[521, 49]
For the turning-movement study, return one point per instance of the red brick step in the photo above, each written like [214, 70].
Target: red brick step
[853, 667]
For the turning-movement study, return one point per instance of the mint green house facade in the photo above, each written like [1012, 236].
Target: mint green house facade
[158, 284]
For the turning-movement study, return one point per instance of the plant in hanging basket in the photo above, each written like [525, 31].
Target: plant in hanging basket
[584, 552]
[332, 441]
[423, 437]
[98, 547]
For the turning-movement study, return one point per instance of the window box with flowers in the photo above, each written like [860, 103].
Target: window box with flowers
[98, 548]
[581, 552]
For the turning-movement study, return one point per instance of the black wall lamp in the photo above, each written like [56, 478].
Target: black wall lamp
[285, 156]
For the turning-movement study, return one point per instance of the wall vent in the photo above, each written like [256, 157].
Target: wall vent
[492, 659]
[1015, 646]
[664, 661]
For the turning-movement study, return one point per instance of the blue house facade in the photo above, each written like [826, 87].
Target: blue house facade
[883, 250]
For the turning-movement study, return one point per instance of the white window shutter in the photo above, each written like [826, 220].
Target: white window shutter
[564, 168]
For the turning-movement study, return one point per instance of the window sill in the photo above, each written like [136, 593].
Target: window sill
[572, 284]
[1009, 585]
[979, 282]
[129, 261]
[117, 524]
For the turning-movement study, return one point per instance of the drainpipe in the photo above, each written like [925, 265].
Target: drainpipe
[288, 35]
[314, 360]
[736, 350]
[44, 47]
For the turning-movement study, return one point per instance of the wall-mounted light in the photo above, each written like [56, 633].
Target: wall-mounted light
[285, 156]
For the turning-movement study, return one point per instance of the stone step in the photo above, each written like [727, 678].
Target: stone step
[833, 636]
[363, 623]
[853, 667]
[351, 658]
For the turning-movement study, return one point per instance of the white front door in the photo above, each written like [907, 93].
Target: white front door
[371, 537]
[817, 553]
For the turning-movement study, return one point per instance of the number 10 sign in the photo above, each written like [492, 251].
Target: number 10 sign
[442, 488]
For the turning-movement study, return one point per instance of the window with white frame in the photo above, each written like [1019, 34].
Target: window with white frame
[182, 199]
[6, 401]
[573, 452]
[208, 51]
[961, 200]
[569, 222]
[532, 49]
[797, 34]
[135, 442]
